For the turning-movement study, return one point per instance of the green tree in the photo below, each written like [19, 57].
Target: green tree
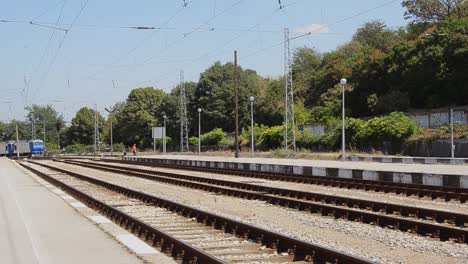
[377, 35]
[8, 130]
[81, 130]
[306, 67]
[45, 115]
[138, 115]
[215, 95]
[434, 11]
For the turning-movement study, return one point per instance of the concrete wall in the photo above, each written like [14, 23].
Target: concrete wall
[316, 129]
[439, 118]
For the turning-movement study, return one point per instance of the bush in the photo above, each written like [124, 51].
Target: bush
[212, 138]
[79, 149]
[119, 147]
[395, 127]
[272, 137]
[244, 138]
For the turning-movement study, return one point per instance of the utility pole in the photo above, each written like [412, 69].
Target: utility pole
[289, 120]
[32, 126]
[237, 105]
[199, 131]
[44, 128]
[184, 142]
[17, 140]
[111, 111]
[95, 130]
[58, 139]
[343, 120]
[164, 135]
[252, 143]
[452, 145]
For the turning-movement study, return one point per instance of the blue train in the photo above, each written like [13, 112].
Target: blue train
[31, 148]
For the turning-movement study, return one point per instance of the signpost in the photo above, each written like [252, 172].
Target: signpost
[158, 133]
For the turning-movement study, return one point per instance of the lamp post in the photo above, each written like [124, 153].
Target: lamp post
[199, 130]
[164, 135]
[343, 140]
[252, 143]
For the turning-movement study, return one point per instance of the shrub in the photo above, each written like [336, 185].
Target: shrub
[78, 149]
[272, 137]
[244, 138]
[395, 127]
[212, 138]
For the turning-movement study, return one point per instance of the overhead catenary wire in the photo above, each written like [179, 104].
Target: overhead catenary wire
[320, 28]
[63, 39]
[140, 43]
[157, 28]
[195, 29]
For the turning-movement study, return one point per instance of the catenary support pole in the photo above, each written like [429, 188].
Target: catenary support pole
[452, 145]
[44, 130]
[237, 105]
[17, 141]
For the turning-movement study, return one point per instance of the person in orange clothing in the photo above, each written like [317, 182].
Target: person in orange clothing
[134, 149]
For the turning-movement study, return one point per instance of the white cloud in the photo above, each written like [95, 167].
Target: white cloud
[313, 28]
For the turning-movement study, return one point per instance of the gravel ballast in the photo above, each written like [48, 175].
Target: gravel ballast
[380, 244]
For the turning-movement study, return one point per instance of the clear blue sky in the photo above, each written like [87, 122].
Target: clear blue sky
[96, 64]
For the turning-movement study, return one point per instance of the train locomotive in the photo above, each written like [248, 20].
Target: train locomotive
[31, 148]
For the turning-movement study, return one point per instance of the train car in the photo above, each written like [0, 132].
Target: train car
[22, 147]
[3, 149]
[11, 149]
[37, 147]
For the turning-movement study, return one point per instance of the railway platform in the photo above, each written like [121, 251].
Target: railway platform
[42, 224]
[423, 174]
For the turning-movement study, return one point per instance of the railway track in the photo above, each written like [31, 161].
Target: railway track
[427, 222]
[433, 192]
[186, 233]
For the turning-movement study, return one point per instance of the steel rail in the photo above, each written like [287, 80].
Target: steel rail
[155, 237]
[423, 213]
[313, 202]
[434, 192]
[302, 250]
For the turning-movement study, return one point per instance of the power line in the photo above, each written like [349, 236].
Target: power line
[345, 19]
[319, 28]
[139, 44]
[184, 37]
[63, 39]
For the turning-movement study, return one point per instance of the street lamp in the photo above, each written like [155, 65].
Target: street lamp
[343, 86]
[252, 143]
[164, 135]
[199, 130]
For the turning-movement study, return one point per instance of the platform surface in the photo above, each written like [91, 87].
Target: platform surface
[37, 226]
[442, 169]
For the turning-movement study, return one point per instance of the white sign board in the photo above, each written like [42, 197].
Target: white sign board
[158, 132]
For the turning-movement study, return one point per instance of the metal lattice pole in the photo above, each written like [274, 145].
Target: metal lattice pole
[184, 143]
[289, 121]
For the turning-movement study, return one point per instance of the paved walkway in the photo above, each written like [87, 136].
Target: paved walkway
[354, 165]
[37, 226]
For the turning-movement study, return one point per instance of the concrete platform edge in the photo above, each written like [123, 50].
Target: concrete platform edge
[458, 181]
[135, 245]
